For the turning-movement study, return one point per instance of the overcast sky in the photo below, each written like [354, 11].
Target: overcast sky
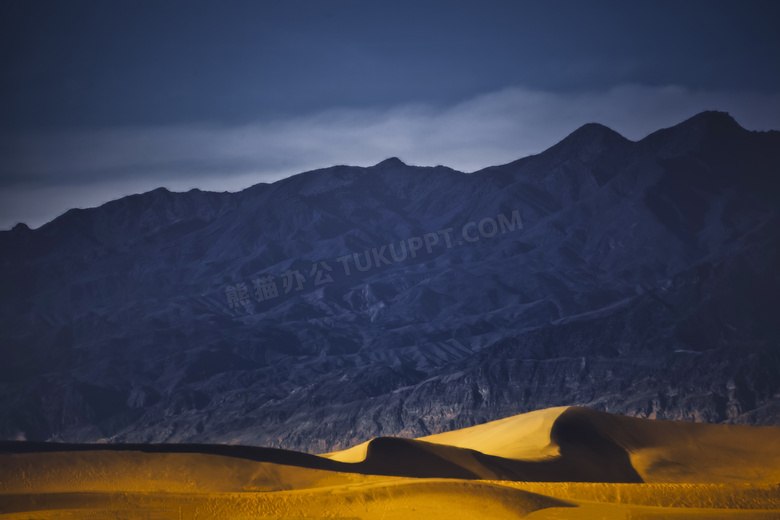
[100, 99]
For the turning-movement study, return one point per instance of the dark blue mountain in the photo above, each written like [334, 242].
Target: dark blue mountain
[347, 303]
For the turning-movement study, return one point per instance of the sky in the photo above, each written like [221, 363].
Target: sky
[102, 99]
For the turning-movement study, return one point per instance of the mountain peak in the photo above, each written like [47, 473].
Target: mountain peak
[589, 141]
[593, 132]
[594, 129]
[713, 117]
[709, 122]
[392, 162]
[711, 127]
[21, 227]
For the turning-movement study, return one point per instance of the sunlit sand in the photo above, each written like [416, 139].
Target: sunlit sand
[555, 463]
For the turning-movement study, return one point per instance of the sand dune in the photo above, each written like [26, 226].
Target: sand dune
[556, 463]
[522, 437]
[582, 445]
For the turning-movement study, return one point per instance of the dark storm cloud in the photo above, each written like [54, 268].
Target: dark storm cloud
[87, 63]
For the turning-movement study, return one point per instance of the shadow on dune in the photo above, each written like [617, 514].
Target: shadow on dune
[587, 454]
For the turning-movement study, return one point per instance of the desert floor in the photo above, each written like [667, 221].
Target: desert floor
[556, 463]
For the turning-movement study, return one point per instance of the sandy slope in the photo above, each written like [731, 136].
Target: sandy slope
[671, 451]
[556, 463]
[525, 436]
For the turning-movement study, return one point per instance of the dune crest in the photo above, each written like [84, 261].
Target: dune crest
[524, 437]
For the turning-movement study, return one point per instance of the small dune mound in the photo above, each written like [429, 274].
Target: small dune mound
[412, 458]
[421, 459]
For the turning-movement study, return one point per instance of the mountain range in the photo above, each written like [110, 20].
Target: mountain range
[349, 303]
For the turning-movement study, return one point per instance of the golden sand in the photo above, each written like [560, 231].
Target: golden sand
[556, 463]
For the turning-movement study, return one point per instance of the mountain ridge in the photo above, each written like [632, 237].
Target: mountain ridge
[586, 133]
[629, 264]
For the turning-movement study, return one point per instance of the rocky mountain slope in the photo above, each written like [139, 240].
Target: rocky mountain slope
[349, 303]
